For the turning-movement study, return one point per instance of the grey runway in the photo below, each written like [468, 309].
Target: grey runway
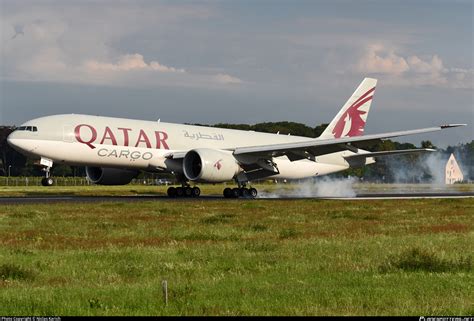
[139, 198]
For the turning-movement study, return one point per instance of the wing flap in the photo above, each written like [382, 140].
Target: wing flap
[389, 153]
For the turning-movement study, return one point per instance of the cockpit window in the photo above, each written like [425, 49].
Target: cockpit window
[28, 128]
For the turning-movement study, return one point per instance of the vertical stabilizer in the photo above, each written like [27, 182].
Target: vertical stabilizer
[351, 119]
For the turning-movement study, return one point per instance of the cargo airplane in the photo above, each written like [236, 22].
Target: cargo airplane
[115, 150]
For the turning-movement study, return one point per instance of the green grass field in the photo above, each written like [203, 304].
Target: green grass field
[238, 257]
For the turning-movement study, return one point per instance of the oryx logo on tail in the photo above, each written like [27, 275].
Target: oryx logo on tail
[352, 121]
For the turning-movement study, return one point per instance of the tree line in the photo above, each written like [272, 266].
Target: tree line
[410, 168]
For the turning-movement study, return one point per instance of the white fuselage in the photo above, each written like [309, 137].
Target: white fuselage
[146, 145]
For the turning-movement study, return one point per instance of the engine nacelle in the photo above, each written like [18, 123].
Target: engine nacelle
[110, 176]
[210, 165]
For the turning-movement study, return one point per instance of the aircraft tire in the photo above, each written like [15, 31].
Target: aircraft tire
[179, 191]
[196, 191]
[245, 192]
[253, 192]
[188, 191]
[227, 192]
[47, 181]
[171, 191]
[236, 193]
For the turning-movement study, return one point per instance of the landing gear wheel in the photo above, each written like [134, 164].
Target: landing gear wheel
[236, 192]
[245, 192]
[47, 181]
[179, 191]
[188, 191]
[253, 192]
[195, 191]
[227, 192]
[171, 192]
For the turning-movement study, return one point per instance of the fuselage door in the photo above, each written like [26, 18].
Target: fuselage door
[68, 133]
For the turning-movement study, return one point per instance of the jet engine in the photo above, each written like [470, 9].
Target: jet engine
[210, 165]
[110, 176]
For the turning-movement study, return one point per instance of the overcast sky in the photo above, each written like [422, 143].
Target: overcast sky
[240, 61]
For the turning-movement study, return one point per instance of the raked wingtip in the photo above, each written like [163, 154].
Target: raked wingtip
[452, 125]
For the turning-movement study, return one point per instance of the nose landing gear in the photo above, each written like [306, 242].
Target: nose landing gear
[47, 164]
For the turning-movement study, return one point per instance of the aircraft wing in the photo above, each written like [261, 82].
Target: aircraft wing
[315, 147]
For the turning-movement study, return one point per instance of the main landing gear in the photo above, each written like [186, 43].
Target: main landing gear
[238, 192]
[184, 191]
[193, 192]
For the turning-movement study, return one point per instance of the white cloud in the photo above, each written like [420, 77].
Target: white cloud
[435, 65]
[61, 44]
[379, 60]
[132, 70]
[129, 63]
[412, 70]
[227, 79]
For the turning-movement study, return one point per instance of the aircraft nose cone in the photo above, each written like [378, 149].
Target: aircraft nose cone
[20, 144]
[11, 140]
